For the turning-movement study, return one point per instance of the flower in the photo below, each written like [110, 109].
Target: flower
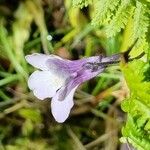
[58, 79]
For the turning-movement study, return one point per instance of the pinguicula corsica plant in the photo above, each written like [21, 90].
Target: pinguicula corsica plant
[58, 78]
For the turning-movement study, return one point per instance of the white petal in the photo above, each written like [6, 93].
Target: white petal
[44, 84]
[39, 60]
[61, 109]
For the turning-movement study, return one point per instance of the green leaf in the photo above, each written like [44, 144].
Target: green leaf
[104, 10]
[137, 106]
[27, 127]
[32, 114]
[139, 29]
[81, 3]
[120, 18]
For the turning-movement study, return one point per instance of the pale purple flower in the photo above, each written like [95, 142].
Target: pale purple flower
[58, 79]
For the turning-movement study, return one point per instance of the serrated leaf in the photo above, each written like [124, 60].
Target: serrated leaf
[104, 10]
[137, 106]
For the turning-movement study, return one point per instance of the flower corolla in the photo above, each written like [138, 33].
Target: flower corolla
[58, 79]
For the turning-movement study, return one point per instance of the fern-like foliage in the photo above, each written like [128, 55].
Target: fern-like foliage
[137, 128]
[115, 15]
[140, 26]
[81, 3]
[141, 21]
[120, 19]
[104, 10]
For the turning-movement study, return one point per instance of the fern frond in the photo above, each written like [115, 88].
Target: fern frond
[137, 137]
[141, 23]
[104, 10]
[137, 128]
[120, 19]
[81, 3]
[140, 27]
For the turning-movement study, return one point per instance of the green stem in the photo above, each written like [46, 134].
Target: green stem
[4, 96]
[8, 50]
[9, 79]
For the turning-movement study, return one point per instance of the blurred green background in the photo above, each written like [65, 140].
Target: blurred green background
[54, 26]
